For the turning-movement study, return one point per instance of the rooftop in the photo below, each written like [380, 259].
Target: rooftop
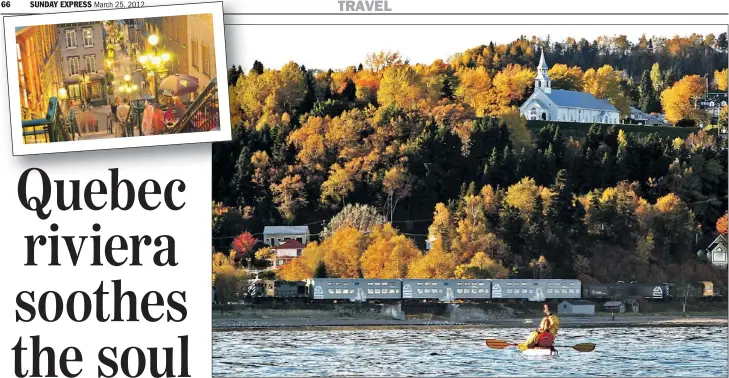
[574, 99]
[578, 302]
[286, 230]
[613, 304]
[290, 244]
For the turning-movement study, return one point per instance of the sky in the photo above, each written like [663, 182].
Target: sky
[336, 47]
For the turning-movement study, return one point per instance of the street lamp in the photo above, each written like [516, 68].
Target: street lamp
[128, 87]
[154, 62]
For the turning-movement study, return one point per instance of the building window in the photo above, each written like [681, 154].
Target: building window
[280, 262]
[193, 47]
[74, 91]
[88, 37]
[298, 252]
[71, 39]
[206, 59]
[74, 66]
[90, 63]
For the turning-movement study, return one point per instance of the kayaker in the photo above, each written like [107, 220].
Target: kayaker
[545, 335]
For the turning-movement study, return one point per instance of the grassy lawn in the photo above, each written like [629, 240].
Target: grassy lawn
[579, 130]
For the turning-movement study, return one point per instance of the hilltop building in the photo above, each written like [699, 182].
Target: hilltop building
[567, 106]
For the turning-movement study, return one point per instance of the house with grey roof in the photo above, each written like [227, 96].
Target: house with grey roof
[549, 104]
[650, 119]
[277, 235]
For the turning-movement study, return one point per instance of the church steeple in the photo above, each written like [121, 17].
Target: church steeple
[542, 81]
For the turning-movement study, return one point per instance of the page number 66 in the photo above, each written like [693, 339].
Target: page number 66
[5, 4]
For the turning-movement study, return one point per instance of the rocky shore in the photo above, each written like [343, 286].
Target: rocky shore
[389, 316]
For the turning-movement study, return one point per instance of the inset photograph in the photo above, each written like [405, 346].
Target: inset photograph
[108, 79]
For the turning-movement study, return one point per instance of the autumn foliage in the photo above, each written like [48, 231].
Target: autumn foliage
[381, 156]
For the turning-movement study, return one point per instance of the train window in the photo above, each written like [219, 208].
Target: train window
[572, 291]
[338, 291]
[508, 284]
[331, 291]
[445, 283]
[370, 291]
[356, 284]
[549, 291]
[509, 291]
[481, 284]
[459, 291]
[420, 291]
[531, 291]
[397, 291]
[480, 290]
[440, 291]
[523, 291]
[420, 284]
[564, 291]
[523, 284]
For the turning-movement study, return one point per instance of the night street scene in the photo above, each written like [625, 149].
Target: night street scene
[117, 78]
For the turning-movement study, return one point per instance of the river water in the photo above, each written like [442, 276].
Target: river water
[647, 352]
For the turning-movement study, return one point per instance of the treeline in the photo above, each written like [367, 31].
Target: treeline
[418, 142]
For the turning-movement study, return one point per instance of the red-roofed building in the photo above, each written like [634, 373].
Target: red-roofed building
[286, 252]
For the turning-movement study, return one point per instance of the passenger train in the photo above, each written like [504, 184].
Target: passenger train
[446, 290]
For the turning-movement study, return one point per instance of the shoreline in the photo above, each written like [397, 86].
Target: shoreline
[237, 323]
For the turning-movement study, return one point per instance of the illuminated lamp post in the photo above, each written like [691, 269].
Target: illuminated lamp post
[128, 87]
[154, 62]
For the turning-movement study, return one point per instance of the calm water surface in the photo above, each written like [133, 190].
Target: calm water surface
[648, 352]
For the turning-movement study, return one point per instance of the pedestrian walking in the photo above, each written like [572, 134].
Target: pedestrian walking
[122, 113]
[114, 120]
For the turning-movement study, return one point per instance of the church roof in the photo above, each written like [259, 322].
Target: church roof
[574, 99]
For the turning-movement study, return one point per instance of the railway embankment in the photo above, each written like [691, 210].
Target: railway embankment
[517, 315]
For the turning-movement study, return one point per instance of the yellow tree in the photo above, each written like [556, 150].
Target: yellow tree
[471, 229]
[291, 88]
[474, 88]
[511, 85]
[564, 77]
[678, 101]
[309, 140]
[397, 186]
[338, 186]
[381, 60]
[290, 196]
[302, 267]
[437, 263]
[720, 78]
[343, 251]
[388, 254]
[481, 266]
[519, 134]
[605, 83]
[442, 228]
[405, 87]
[523, 196]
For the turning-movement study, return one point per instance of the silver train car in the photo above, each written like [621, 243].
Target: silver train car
[354, 289]
[535, 289]
[445, 290]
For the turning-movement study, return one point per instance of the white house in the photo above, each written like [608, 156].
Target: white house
[286, 252]
[576, 307]
[655, 119]
[561, 105]
[717, 252]
[275, 235]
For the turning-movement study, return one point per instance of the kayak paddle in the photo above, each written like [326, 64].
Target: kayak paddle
[501, 344]
[498, 344]
[584, 347]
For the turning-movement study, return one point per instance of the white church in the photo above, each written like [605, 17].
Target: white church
[569, 106]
